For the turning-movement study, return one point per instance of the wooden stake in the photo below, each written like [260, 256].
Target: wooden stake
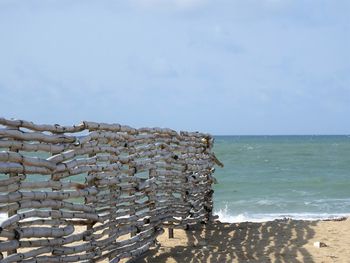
[171, 232]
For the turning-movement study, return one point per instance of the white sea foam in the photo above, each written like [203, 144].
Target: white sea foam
[226, 217]
[3, 217]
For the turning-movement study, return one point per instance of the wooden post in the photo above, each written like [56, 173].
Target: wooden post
[132, 206]
[53, 190]
[170, 229]
[112, 204]
[171, 232]
[152, 194]
[90, 223]
[11, 213]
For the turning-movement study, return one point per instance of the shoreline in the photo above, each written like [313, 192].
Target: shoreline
[282, 241]
[226, 217]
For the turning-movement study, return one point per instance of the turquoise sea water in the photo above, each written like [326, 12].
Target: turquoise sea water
[269, 177]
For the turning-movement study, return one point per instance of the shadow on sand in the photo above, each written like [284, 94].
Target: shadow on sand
[277, 241]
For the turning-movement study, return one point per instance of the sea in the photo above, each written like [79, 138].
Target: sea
[277, 177]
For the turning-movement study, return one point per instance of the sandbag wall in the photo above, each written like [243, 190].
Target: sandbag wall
[98, 192]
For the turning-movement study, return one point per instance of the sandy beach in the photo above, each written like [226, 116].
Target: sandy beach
[279, 241]
[288, 241]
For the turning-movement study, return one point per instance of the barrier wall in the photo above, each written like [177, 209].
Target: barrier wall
[98, 192]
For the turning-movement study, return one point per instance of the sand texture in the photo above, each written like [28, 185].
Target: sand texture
[283, 241]
[288, 241]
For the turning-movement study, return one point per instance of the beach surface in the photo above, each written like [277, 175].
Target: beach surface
[288, 241]
[279, 241]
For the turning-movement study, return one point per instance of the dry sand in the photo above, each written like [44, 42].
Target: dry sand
[288, 241]
[283, 241]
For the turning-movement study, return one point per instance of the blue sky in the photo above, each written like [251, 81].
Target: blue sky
[224, 66]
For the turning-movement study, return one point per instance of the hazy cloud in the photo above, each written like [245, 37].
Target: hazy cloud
[226, 66]
[169, 4]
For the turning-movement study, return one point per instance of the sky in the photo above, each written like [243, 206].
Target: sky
[225, 67]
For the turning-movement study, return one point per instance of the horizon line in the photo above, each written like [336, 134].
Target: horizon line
[281, 134]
